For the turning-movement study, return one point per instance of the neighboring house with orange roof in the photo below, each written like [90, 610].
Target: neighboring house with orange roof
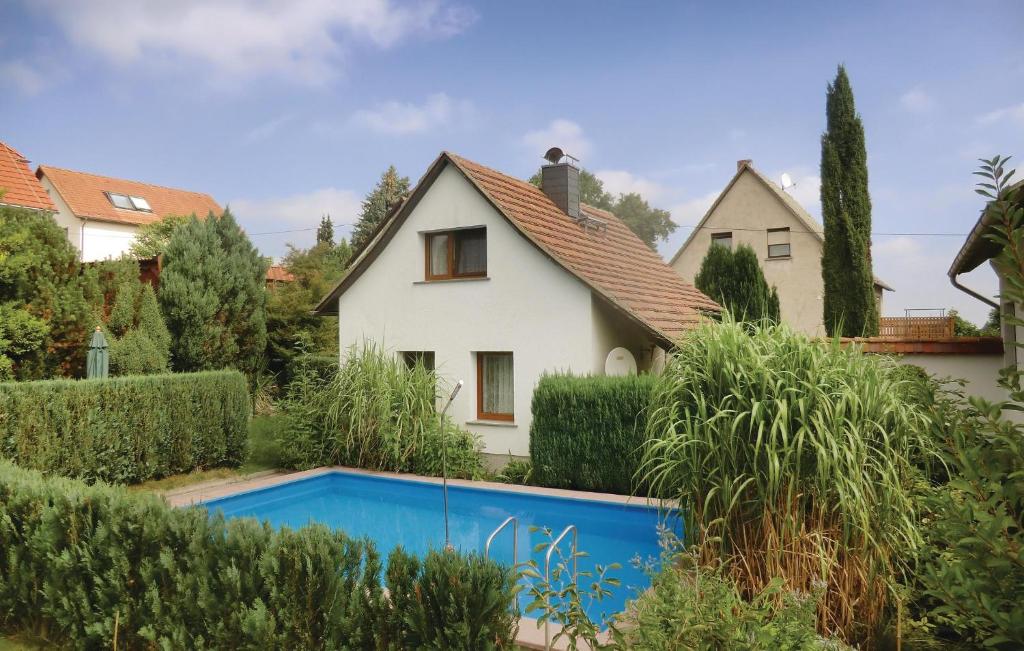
[754, 210]
[489, 279]
[102, 214]
[18, 185]
[276, 274]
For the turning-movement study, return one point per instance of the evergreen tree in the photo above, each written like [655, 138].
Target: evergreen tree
[49, 304]
[736, 282]
[325, 232]
[850, 309]
[213, 296]
[390, 189]
[138, 338]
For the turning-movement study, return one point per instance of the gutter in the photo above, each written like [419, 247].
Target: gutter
[974, 240]
[971, 292]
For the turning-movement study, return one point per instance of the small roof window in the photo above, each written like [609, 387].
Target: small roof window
[140, 203]
[120, 201]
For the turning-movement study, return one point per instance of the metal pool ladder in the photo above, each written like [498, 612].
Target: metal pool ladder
[547, 570]
[515, 538]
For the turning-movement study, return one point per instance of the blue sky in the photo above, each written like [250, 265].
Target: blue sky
[286, 110]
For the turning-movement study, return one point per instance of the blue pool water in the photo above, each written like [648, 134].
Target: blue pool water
[409, 513]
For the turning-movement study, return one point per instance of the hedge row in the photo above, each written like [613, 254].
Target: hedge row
[86, 565]
[126, 429]
[587, 431]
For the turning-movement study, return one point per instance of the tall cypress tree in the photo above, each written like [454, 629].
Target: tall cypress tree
[389, 190]
[213, 296]
[850, 309]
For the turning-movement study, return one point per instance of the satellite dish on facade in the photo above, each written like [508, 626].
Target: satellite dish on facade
[620, 362]
[787, 181]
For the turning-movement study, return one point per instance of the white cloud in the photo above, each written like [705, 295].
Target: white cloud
[398, 118]
[301, 40]
[298, 211]
[916, 100]
[689, 212]
[619, 182]
[23, 76]
[559, 133]
[267, 129]
[1013, 113]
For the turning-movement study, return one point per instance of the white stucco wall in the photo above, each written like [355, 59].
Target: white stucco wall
[95, 240]
[527, 305]
[980, 371]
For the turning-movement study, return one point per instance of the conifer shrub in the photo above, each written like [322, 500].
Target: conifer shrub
[588, 431]
[96, 566]
[128, 429]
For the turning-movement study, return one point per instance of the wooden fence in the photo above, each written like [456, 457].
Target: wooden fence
[916, 327]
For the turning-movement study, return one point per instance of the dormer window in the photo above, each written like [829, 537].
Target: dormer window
[129, 202]
[460, 253]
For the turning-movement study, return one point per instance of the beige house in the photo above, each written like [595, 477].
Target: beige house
[755, 211]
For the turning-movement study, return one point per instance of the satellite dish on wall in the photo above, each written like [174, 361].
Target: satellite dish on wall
[554, 155]
[620, 362]
[787, 181]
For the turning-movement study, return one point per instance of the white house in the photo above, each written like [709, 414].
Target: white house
[788, 242]
[101, 214]
[496, 282]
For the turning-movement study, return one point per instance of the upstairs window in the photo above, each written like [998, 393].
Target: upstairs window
[722, 239]
[140, 204]
[120, 201]
[778, 243]
[457, 254]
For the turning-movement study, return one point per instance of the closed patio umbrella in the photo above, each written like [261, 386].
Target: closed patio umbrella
[97, 362]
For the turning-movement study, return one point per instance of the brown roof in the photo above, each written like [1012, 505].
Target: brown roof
[612, 261]
[86, 195]
[20, 186]
[279, 274]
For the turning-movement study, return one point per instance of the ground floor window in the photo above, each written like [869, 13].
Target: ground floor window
[424, 358]
[494, 379]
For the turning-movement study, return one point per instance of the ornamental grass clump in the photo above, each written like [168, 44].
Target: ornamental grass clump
[793, 458]
[377, 413]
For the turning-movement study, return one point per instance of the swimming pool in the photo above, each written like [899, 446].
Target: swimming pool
[392, 511]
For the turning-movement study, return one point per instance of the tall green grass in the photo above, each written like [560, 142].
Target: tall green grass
[374, 413]
[792, 458]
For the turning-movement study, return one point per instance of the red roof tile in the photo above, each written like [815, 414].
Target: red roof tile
[279, 274]
[612, 261]
[20, 186]
[85, 195]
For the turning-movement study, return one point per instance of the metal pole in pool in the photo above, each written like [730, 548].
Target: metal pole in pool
[444, 463]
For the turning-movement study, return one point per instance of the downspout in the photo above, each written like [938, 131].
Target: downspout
[971, 292]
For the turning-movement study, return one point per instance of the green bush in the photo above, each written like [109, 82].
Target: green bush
[88, 565]
[373, 412]
[127, 429]
[139, 341]
[794, 459]
[587, 432]
[450, 602]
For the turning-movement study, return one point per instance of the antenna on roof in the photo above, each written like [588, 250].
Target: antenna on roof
[555, 155]
[787, 181]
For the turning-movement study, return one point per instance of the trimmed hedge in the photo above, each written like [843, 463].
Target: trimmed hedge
[85, 565]
[588, 431]
[126, 429]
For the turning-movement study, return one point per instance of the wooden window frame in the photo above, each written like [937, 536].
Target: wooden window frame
[480, 413]
[789, 244]
[451, 274]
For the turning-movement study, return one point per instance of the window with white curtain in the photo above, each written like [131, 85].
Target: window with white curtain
[459, 253]
[722, 239]
[778, 243]
[494, 381]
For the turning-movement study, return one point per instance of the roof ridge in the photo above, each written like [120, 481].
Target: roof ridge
[123, 180]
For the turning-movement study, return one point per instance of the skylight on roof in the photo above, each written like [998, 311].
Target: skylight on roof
[120, 201]
[140, 203]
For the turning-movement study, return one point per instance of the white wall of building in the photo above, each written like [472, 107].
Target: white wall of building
[527, 305]
[95, 240]
[980, 371]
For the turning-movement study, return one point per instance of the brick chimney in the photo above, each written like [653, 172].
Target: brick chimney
[561, 182]
[746, 162]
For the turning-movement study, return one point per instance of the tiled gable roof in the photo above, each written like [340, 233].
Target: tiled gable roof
[20, 186]
[611, 260]
[86, 195]
[277, 273]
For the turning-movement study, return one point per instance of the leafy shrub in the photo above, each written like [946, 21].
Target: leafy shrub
[94, 564]
[126, 429]
[588, 431]
[374, 412]
[450, 601]
[517, 471]
[794, 459]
